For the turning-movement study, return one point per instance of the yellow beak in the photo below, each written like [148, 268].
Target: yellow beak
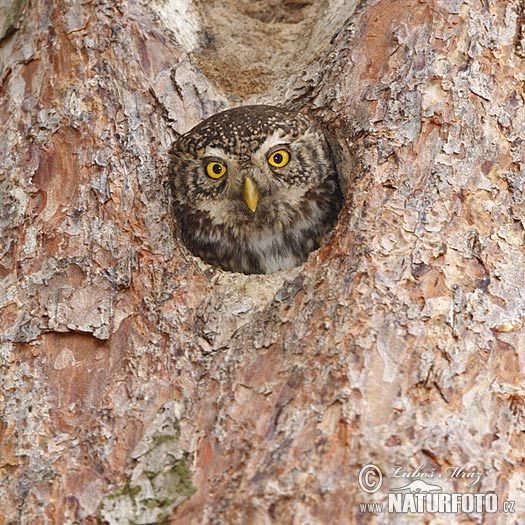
[250, 192]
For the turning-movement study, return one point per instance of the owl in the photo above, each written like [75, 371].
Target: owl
[255, 188]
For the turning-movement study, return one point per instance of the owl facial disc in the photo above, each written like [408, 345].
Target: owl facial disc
[255, 188]
[250, 192]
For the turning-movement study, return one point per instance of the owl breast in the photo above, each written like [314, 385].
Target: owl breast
[255, 189]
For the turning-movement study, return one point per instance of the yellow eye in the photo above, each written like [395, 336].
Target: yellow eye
[215, 169]
[279, 158]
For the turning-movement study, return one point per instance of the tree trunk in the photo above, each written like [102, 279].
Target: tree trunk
[140, 385]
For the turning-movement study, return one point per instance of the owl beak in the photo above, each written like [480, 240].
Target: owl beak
[250, 192]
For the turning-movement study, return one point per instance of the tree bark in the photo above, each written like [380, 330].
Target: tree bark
[140, 385]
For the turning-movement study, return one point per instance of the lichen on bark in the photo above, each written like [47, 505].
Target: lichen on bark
[160, 478]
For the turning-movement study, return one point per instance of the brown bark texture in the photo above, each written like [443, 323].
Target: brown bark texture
[139, 385]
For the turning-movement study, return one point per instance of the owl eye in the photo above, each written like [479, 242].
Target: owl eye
[279, 158]
[215, 169]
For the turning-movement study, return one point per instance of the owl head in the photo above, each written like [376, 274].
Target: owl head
[249, 184]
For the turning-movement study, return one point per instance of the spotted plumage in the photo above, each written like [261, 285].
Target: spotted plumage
[255, 188]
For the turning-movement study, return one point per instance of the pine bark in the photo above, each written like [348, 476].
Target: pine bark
[140, 385]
